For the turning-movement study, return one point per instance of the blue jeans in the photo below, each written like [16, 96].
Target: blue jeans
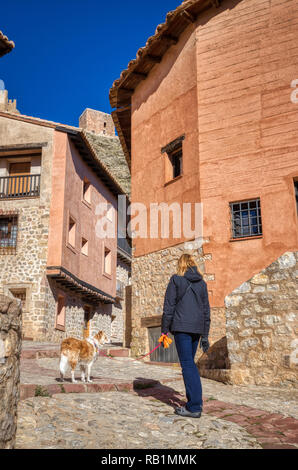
[186, 345]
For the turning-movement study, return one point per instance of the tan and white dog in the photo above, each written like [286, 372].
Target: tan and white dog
[84, 352]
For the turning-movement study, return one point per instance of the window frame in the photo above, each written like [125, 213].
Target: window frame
[171, 150]
[249, 217]
[295, 181]
[12, 248]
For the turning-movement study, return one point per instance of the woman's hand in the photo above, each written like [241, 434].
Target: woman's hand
[205, 344]
[165, 341]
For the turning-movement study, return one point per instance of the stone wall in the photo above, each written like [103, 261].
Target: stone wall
[74, 315]
[262, 325]
[118, 309]
[10, 350]
[26, 268]
[151, 274]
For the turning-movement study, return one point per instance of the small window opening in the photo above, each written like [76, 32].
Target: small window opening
[87, 190]
[107, 261]
[84, 248]
[72, 232]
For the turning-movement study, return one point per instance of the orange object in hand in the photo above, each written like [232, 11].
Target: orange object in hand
[165, 340]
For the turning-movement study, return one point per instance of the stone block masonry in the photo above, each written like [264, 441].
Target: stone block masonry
[119, 308]
[262, 327]
[97, 122]
[74, 315]
[26, 269]
[10, 350]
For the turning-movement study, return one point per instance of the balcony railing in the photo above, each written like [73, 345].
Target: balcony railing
[19, 186]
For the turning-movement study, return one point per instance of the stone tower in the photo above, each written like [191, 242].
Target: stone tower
[97, 122]
[7, 105]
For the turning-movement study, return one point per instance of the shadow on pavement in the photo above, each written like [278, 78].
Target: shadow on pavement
[158, 391]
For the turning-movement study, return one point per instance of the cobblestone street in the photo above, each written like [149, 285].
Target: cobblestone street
[131, 406]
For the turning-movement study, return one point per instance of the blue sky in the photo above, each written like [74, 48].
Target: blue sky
[69, 52]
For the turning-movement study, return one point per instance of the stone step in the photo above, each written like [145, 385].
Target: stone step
[33, 390]
[38, 353]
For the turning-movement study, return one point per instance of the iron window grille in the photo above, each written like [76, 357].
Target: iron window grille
[296, 194]
[246, 219]
[8, 234]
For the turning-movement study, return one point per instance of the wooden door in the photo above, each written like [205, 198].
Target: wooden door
[87, 319]
[19, 184]
[161, 354]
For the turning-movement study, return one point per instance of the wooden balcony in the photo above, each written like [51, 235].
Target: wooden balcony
[12, 187]
[124, 249]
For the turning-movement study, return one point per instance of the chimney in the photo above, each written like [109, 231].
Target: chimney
[97, 122]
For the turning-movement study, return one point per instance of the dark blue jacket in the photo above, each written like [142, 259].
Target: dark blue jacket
[186, 304]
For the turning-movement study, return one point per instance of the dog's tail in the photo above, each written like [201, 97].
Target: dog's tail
[63, 365]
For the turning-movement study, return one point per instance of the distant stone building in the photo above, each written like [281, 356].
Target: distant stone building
[6, 104]
[204, 115]
[51, 183]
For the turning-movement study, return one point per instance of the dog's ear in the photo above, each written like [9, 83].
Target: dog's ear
[99, 335]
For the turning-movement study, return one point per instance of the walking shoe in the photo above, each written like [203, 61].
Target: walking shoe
[187, 414]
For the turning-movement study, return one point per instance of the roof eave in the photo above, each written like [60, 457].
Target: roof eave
[82, 143]
[139, 68]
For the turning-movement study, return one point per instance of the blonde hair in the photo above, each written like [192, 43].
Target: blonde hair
[186, 261]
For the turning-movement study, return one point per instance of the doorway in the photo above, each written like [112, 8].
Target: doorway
[87, 321]
[162, 355]
[19, 182]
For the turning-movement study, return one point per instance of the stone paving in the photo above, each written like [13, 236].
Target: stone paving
[136, 410]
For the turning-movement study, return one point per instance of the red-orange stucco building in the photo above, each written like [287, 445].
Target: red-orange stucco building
[204, 114]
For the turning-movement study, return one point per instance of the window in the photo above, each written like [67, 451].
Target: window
[19, 174]
[296, 194]
[87, 191]
[110, 212]
[174, 159]
[8, 234]
[107, 261]
[72, 232]
[84, 248]
[60, 313]
[20, 294]
[246, 219]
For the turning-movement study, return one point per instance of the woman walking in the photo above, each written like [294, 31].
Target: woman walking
[186, 315]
